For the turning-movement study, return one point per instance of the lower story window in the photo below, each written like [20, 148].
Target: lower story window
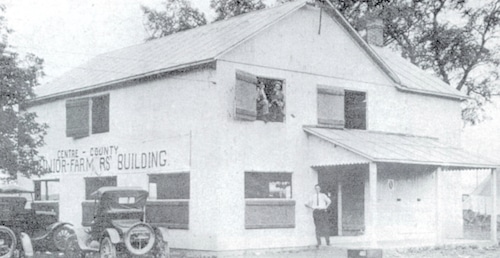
[47, 190]
[268, 185]
[169, 186]
[268, 202]
[168, 203]
[92, 184]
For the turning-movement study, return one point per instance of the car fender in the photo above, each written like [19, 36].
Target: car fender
[26, 245]
[163, 232]
[53, 226]
[114, 236]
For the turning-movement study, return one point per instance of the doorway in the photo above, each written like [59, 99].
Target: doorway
[345, 185]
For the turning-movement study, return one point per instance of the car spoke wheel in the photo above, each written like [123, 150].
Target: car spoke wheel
[61, 235]
[8, 242]
[107, 248]
[140, 239]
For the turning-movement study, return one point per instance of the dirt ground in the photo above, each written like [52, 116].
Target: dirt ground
[445, 252]
[427, 252]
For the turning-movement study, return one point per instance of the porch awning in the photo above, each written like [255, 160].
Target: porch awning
[400, 148]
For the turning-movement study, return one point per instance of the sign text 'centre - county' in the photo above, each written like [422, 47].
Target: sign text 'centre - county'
[104, 158]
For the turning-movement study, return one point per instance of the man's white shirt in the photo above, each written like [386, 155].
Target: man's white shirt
[319, 201]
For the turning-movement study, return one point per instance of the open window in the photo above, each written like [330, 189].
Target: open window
[341, 108]
[169, 186]
[168, 202]
[47, 190]
[268, 200]
[355, 110]
[87, 115]
[92, 184]
[268, 185]
[259, 98]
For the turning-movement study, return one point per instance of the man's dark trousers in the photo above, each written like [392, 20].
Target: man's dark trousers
[321, 223]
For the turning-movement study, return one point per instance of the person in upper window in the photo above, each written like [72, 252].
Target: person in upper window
[262, 102]
[277, 105]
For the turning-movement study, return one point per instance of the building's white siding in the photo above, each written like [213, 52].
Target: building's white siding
[191, 116]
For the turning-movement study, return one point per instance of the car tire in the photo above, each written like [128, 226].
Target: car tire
[107, 249]
[8, 242]
[60, 237]
[129, 237]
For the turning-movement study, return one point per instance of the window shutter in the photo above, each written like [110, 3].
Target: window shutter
[331, 106]
[100, 114]
[77, 118]
[38, 190]
[246, 96]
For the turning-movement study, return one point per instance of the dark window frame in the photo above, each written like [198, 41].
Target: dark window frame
[342, 108]
[179, 190]
[89, 115]
[355, 110]
[261, 190]
[89, 190]
[249, 107]
[38, 189]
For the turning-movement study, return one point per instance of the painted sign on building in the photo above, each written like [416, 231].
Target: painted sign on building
[121, 157]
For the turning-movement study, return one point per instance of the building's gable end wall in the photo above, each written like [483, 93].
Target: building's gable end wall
[302, 45]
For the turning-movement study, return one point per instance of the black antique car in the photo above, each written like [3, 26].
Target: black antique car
[26, 229]
[119, 227]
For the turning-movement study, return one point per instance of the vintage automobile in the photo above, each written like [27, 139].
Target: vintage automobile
[119, 227]
[24, 228]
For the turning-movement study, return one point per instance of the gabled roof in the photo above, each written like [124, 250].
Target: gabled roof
[400, 148]
[183, 49]
[412, 78]
[203, 45]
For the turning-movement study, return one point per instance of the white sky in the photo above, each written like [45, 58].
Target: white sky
[66, 33]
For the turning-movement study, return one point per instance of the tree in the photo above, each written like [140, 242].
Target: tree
[453, 38]
[225, 9]
[20, 134]
[177, 16]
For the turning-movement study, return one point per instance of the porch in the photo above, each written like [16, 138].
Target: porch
[393, 189]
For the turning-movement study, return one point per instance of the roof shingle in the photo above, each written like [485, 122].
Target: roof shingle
[206, 43]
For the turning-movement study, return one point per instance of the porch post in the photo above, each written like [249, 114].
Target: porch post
[372, 208]
[438, 204]
[339, 209]
[494, 205]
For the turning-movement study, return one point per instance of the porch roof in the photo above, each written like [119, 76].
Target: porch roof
[399, 148]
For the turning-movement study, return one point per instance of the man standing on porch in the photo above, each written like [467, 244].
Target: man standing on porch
[319, 202]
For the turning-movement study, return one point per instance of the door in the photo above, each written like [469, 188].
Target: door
[345, 185]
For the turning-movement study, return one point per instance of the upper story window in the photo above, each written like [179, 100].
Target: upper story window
[341, 108]
[87, 115]
[355, 110]
[259, 98]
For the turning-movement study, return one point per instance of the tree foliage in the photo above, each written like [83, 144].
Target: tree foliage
[456, 39]
[20, 134]
[225, 9]
[178, 15]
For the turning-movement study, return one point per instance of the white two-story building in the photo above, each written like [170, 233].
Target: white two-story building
[180, 117]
